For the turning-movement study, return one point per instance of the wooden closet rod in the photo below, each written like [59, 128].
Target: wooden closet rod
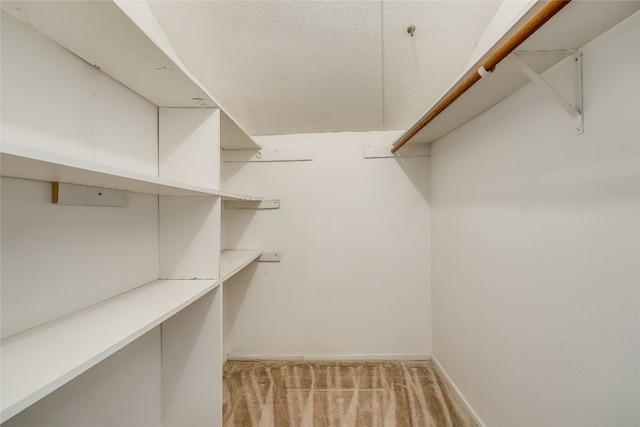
[537, 21]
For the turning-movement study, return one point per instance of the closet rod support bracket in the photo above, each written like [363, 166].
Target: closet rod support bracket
[574, 108]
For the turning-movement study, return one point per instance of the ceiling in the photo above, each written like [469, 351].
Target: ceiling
[281, 67]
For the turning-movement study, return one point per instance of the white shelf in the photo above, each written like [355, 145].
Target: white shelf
[237, 196]
[573, 27]
[124, 40]
[104, 36]
[232, 261]
[39, 360]
[232, 137]
[18, 161]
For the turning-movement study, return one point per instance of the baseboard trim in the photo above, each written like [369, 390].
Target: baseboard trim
[455, 389]
[329, 357]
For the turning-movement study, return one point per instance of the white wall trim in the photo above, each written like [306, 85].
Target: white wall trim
[456, 390]
[329, 357]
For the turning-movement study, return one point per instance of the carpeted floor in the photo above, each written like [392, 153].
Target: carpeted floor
[338, 394]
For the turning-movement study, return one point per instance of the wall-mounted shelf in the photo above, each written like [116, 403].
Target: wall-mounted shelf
[104, 36]
[31, 163]
[124, 40]
[232, 137]
[227, 196]
[574, 26]
[232, 261]
[39, 360]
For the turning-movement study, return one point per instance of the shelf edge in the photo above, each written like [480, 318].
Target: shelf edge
[250, 256]
[129, 181]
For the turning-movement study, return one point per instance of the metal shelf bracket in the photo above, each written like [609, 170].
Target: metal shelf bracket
[574, 109]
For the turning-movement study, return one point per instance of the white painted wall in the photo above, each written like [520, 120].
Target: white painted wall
[535, 250]
[354, 237]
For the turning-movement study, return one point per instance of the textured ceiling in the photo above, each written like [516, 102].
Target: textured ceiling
[284, 67]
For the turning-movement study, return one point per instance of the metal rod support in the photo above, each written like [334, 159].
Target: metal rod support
[542, 84]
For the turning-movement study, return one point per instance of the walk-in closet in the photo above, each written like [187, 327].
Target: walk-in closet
[320, 213]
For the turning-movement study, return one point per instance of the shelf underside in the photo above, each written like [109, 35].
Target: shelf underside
[103, 35]
[572, 28]
[232, 137]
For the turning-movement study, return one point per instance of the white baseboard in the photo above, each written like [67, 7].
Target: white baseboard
[329, 357]
[453, 387]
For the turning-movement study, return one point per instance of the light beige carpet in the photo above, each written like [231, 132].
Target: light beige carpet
[338, 394]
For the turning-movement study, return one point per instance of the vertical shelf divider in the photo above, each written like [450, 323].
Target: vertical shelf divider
[189, 235]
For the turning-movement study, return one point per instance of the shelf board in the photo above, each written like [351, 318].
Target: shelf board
[233, 137]
[39, 360]
[237, 196]
[102, 34]
[18, 161]
[123, 40]
[232, 261]
[572, 28]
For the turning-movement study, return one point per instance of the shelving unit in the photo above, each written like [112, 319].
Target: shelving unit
[177, 190]
[39, 360]
[123, 40]
[103, 35]
[544, 49]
